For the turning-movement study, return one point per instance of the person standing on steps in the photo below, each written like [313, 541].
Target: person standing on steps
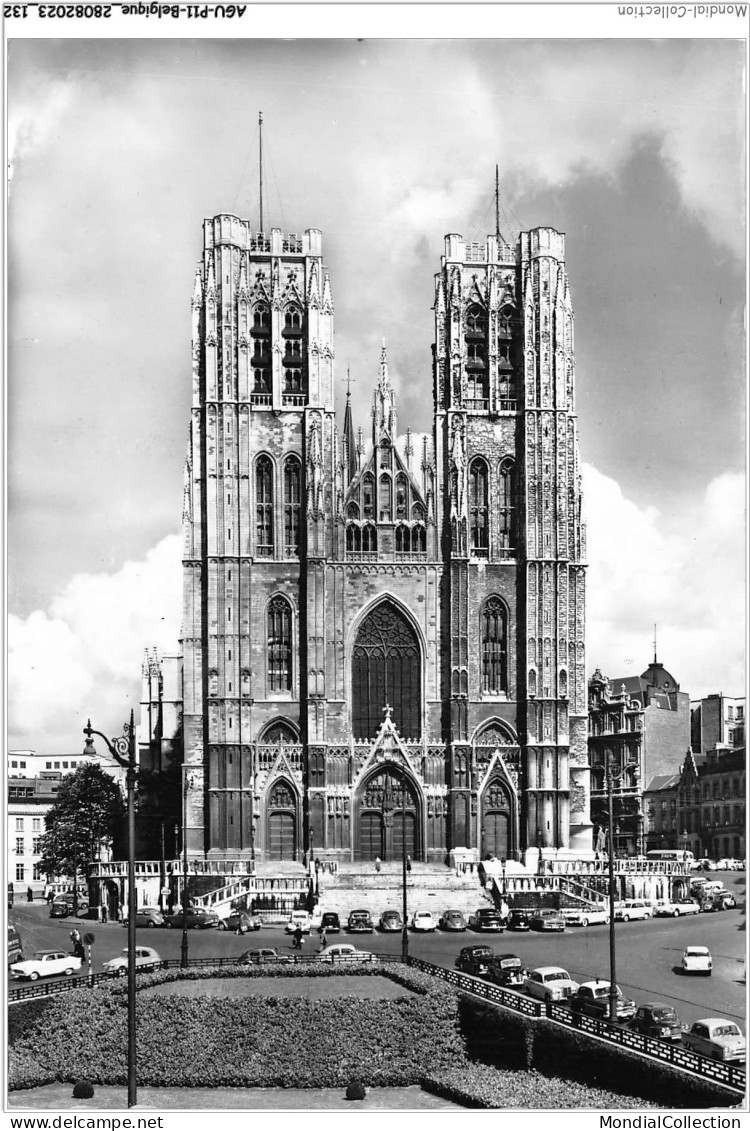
[377, 863]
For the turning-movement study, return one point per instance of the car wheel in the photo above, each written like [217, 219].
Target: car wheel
[33, 976]
[676, 913]
[584, 922]
[626, 918]
[69, 972]
[150, 923]
[168, 924]
[222, 925]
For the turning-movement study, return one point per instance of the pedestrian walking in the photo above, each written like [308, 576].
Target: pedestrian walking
[29, 895]
[377, 863]
[408, 862]
[105, 913]
[323, 938]
[297, 936]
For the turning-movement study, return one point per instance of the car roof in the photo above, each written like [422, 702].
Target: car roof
[697, 950]
[550, 970]
[714, 1021]
[507, 954]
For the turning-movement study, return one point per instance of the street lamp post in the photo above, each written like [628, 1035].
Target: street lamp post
[187, 785]
[611, 869]
[122, 750]
[405, 928]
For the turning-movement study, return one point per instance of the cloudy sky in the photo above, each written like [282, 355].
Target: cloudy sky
[119, 149]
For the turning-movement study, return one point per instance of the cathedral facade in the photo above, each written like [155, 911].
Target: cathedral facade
[382, 640]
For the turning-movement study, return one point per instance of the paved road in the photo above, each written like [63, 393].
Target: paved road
[647, 953]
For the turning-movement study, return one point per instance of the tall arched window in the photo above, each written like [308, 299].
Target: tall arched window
[292, 318]
[369, 538]
[479, 508]
[279, 645]
[494, 647]
[261, 317]
[506, 496]
[264, 507]
[402, 497]
[368, 496]
[386, 499]
[386, 670]
[353, 537]
[477, 380]
[292, 476]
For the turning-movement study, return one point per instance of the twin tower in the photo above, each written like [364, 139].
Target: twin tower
[383, 640]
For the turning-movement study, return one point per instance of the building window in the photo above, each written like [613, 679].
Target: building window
[20, 873]
[402, 497]
[353, 537]
[369, 538]
[292, 318]
[261, 380]
[19, 824]
[368, 492]
[476, 321]
[19, 846]
[386, 499]
[36, 845]
[292, 476]
[264, 507]
[38, 873]
[478, 508]
[494, 647]
[261, 318]
[506, 492]
[386, 671]
[279, 645]
[36, 824]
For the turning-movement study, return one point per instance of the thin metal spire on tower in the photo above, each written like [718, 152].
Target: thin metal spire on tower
[497, 202]
[260, 165]
[655, 660]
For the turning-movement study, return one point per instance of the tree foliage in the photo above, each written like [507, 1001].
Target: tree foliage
[87, 815]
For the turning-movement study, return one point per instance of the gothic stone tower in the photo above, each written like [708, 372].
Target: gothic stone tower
[380, 651]
[513, 544]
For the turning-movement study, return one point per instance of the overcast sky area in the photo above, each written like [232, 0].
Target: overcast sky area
[120, 148]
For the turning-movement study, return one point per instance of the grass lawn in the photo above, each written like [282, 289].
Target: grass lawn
[312, 989]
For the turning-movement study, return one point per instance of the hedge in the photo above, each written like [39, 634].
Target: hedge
[481, 1086]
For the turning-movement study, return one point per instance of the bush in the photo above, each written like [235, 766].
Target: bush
[481, 1086]
[83, 1090]
[356, 1090]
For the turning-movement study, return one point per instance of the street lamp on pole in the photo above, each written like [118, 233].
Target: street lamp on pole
[122, 750]
[186, 787]
[610, 779]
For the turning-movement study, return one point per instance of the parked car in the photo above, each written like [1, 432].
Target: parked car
[547, 920]
[241, 921]
[655, 1019]
[592, 999]
[452, 921]
[344, 952]
[195, 918]
[697, 960]
[718, 901]
[584, 916]
[15, 949]
[330, 923]
[474, 959]
[62, 906]
[359, 922]
[390, 921]
[262, 955]
[423, 921]
[486, 919]
[301, 919]
[144, 956]
[505, 970]
[628, 909]
[717, 1038]
[147, 917]
[44, 963]
[518, 920]
[675, 907]
[550, 983]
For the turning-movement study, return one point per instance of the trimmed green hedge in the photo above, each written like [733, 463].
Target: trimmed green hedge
[481, 1086]
[257, 1041]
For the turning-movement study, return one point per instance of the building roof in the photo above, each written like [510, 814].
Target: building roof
[661, 782]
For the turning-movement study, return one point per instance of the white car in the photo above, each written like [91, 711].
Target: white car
[550, 983]
[301, 919]
[45, 963]
[676, 907]
[629, 909]
[423, 921]
[583, 916]
[344, 952]
[697, 960]
[717, 1038]
[144, 956]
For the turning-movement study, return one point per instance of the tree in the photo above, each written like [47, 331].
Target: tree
[86, 816]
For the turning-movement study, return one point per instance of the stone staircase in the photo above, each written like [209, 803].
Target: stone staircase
[429, 887]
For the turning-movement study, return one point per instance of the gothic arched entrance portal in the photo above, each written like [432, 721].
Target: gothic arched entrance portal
[496, 820]
[388, 818]
[282, 822]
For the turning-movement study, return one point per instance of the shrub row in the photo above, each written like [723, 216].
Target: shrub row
[481, 1086]
[253, 1041]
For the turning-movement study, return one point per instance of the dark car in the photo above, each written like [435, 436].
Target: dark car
[360, 923]
[486, 919]
[262, 955]
[391, 921]
[474, 959]
[656, 1019]
[195, 918]
[329, 923]
[506, 970]
[241, 921]
[62, 906]
[592, 998]
[452, 921]
[547, 920]
[518, 920]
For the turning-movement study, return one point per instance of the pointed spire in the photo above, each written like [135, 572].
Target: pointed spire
[327, 297]
[655, 659]
[383, 403]
[198, 289]
[350, 455]
[408, 449]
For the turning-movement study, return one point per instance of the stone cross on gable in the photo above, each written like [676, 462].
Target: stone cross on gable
[387, 710]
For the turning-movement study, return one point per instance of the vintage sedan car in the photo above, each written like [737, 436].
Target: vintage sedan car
[195, 918]
[628, 909]
[549, 983]
[676, 907]
[584, 916]
[145, 956]
[592, 999]
[547, 920]
[344, 952]
[474, 959]
[717, 1038]
[360, 922]
[486, 919]
[697, 960]
[452, 921]
[423, 921]
[44, 963]
[518, 920]
[261, 955]
[147, 917]
[301, 919]
[62, 906]
[390, 921]
[240, 921]
[330, 923]
[656, 1019]
[718, 901]
[505, 970]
